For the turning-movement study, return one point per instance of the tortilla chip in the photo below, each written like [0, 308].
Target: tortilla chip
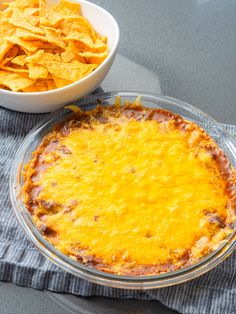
[60, 82]
[34, 20]
[5, 46]
[40, 57]
[11, 69]
[103, 39]
[41, 86]
[99, 46]
[49, 47]
[38, 86]
[68, 8]
[19, 60]
[42, 8]
[24, 4]
[83, 38]
[37, 71]
[31, 12]
[76, 25]
[67, 56]
[72, 47]
[72, 53]
[94, 57]
[5, 61]
[14, 81]
[4, 87]
[20, 20]
[6, 29]
[29, 89]
[53, 37]
[3, 5]
[51, 84]
[84, 43]
[12, 52]
[69, 71]
[50, 17]
[28, 35]
[27, 46]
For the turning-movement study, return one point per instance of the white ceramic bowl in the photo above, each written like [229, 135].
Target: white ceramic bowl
[38, 102]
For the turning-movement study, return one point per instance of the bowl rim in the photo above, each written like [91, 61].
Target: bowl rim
[87, 77]
[89, 273]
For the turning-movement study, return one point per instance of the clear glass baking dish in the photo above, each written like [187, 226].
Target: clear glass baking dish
[30, 143]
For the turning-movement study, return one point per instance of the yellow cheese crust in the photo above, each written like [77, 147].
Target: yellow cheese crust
[131, 190]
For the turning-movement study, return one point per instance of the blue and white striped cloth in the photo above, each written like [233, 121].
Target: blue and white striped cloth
[22, 264]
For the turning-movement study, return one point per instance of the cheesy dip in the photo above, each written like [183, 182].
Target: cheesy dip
[131, 190]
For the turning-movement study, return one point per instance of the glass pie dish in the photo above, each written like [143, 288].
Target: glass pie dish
[31, 142]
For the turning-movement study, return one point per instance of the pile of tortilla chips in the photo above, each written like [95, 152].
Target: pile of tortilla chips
[46, 47]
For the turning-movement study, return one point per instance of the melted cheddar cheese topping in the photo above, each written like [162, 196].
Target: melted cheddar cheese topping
[130, 194]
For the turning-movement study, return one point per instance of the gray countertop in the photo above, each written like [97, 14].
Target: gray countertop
[189, 44]
[185, 49]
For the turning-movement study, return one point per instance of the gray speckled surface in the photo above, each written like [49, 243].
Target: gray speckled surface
[21, 300]
[189, 44]
[185, 49]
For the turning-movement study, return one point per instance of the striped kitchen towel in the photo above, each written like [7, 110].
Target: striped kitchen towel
[22, 264]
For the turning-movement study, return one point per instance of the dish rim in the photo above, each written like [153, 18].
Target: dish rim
[89, 273]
